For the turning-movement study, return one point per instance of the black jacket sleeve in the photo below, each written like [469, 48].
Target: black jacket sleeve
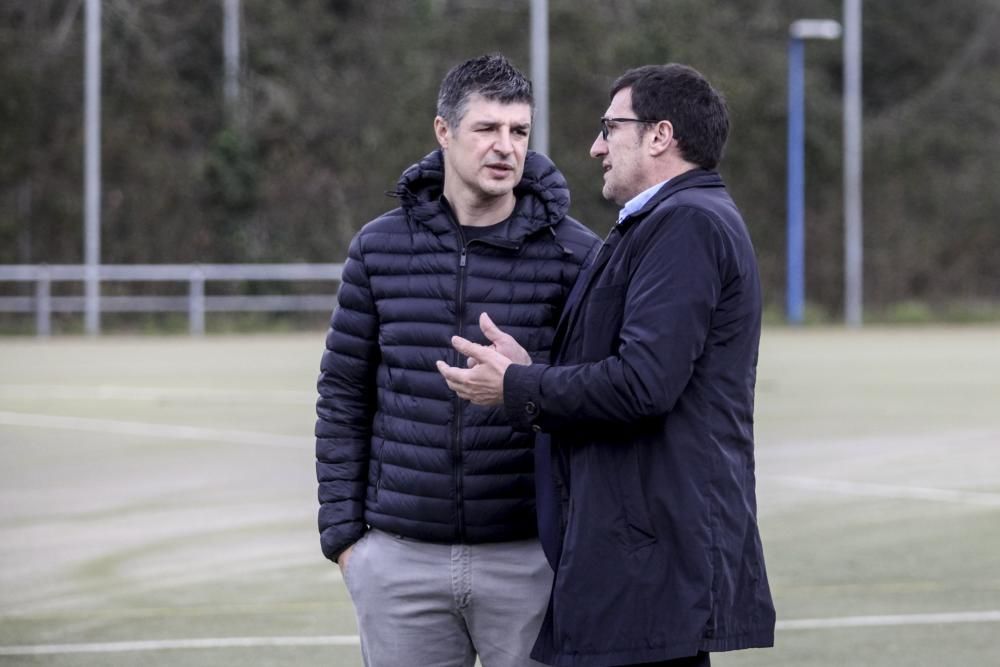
[345, 409]
[672, 289]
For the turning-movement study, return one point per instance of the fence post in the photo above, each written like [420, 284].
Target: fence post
[196, 302]
[43, 302]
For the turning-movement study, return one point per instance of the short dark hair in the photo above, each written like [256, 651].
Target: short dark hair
[683, 96]
[492, 76]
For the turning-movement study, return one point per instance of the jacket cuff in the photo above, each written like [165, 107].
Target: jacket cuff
[521, 396]
[334, 542]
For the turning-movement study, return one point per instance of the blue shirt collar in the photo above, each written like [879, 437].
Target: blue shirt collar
[635, 203]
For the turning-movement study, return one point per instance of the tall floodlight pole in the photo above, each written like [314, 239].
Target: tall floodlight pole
[540, 74]
[231, 56]
[853, 272]
[92, 167]
[795, 277]
[798, 32]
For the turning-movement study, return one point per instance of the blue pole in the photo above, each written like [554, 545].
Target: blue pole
[796, 183]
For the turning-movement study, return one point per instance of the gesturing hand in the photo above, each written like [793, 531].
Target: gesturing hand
[482, 382]
[503, 343]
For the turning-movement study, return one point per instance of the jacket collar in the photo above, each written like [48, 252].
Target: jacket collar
[695, 178]
[542, 195]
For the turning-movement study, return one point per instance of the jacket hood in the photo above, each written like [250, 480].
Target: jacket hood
[542, 195]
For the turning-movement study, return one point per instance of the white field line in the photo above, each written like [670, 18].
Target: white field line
[992, 616]
[150, 430]
[894, 491]
[122, 393]
[166, 644]
[352, 640]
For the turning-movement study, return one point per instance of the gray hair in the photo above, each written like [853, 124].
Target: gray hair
[492, 76]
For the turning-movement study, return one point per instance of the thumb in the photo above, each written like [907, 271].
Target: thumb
[490, 330]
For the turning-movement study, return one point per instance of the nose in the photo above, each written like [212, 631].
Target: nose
[599, 147]
[504, 144]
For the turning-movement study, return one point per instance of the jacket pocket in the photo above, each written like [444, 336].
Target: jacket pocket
[639, 528]
[375, 468]
[354, 561]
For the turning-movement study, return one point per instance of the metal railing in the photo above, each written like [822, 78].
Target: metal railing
[196, 303]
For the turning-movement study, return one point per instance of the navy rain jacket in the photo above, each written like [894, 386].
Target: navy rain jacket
[649, 512]
[395, 448]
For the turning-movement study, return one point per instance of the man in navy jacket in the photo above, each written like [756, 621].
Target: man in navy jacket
[648, 513]
[427, 503]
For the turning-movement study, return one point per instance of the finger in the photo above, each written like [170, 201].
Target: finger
[444, 369]
[490, 330]
[472, 363]
[470, 349]
[453, 376]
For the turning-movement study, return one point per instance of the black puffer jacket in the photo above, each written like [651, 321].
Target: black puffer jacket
[395, 448]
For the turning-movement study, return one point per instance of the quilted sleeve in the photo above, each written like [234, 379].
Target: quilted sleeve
[345, 408]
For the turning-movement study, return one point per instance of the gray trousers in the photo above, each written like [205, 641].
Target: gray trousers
[420, 604]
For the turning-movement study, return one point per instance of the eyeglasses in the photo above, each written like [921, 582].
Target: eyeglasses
[605, 120]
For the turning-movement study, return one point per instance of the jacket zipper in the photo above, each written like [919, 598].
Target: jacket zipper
[456, 424]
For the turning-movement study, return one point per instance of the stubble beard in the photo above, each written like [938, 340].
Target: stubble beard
[612, 193]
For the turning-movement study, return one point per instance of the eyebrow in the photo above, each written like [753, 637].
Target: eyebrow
[495, 123]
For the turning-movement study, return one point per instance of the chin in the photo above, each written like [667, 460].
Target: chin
[496, 189]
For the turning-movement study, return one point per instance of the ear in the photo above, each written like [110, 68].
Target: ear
[441, 132]
[662, 138]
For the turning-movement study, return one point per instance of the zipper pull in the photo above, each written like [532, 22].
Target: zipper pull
[461, 260]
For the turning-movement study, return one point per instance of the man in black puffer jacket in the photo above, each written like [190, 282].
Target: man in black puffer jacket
[427, 502]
